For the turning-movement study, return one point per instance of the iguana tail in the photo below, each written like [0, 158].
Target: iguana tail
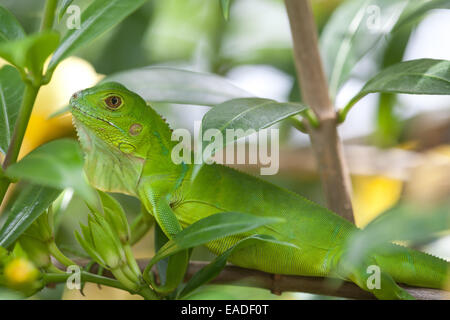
[396, 264]
[416, 268]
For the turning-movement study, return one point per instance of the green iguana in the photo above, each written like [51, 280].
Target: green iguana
[128, 150]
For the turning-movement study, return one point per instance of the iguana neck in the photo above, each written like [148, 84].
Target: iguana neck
[160, 134]
[111, 170]
[158, 159]
[108, 168]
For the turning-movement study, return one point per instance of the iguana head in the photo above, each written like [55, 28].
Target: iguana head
[113, 114]
[118, 131]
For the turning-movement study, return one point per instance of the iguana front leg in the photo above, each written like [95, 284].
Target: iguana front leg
[157, 201]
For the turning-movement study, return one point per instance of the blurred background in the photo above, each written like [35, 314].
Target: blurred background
[397, 147]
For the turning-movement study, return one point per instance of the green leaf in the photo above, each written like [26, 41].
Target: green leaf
[210, 271]
[417, 9]
[225, 5]
[423, 76]
[248, 114]
[205, 230]
[10, 28]
[169, 85]
[388, 126]
[353, 30]
[404, 222]
[160, 84]
[31, 202]
[11, 93]
[100, 16]
[63, 8]
[178, 262]
[359, 27]
[161, 240]
[30, 52]
[213, 227]
[57, 164]
[174, 273]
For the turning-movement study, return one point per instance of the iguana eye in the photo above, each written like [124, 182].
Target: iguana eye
[113, 102]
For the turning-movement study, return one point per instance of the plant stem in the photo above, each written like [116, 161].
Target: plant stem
[53, 269]
[31, 91]
[342, 114]
[310, 115]
[148, 278]
[298, 124]
[126, 270]
[29, 98]
[54, 250]
[123, 278]
[49, 15]
[148, 293]
[145, 292]
[234, 275]
[85, 276]
[325, 140]
[131, 260]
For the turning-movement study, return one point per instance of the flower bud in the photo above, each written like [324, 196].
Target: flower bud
[106, 240]
[101, 242]
[108, 247]
[20, 271]
[20, 274]
[115, 215]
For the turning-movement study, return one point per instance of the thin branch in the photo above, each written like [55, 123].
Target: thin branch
[49, 15]
[233, 275]
[313, 85]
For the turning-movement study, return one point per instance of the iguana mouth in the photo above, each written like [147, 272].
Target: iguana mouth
[79, 109]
